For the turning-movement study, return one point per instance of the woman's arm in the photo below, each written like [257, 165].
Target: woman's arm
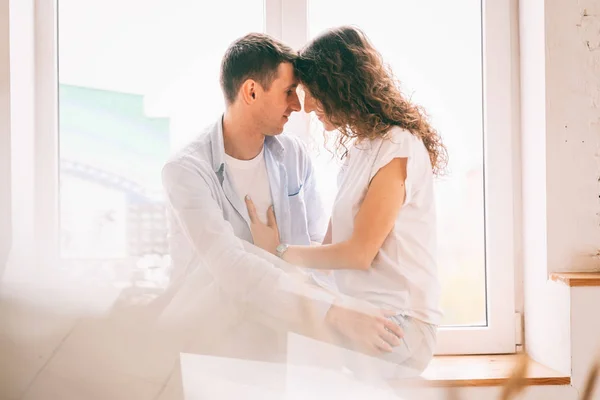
[374, 221]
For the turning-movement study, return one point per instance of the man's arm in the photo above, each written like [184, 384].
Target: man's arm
[247, 274]
[247, 278]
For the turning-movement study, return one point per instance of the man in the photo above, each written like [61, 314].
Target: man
[246, 295]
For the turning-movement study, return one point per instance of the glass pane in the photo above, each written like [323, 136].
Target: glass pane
[138, 78]
[434, 49]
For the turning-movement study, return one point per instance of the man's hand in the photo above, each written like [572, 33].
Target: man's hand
[371, 333]
[264, 236]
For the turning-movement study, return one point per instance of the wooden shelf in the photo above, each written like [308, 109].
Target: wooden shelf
[481, 370]
[577, 279]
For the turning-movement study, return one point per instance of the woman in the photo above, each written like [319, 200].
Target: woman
[381, 241]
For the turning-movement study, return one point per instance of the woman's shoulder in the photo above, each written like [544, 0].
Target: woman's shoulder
[394, 135]
[395, 139]
[398, 136]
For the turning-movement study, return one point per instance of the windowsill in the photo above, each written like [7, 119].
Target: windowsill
[482, 370]
[577, 279]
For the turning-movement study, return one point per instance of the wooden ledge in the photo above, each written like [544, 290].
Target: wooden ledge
[577, 279]
[481, 370]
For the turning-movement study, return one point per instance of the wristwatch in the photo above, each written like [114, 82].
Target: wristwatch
[280, 249]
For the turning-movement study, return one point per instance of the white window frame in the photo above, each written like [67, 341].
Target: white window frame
[6, 233]
[47, 156]
[288, 20]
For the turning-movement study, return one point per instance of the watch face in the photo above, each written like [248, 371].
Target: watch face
[280, 249]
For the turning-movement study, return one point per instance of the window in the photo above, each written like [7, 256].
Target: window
[135, 85]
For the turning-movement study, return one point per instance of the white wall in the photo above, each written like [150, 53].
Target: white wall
[22, 127]
[585, 330]
[5, 196]
[560, 128]
[573, 134]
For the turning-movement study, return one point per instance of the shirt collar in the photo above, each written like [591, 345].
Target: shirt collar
[272, 143]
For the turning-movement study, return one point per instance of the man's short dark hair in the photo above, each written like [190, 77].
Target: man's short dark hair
[255, 56]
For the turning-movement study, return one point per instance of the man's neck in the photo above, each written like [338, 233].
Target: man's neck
[242, 139]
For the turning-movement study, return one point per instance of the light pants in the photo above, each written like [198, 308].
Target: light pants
[408, 360]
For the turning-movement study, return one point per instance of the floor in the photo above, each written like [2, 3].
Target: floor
[61, 339]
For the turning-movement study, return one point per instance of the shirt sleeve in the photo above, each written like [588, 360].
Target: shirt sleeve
[397, 144]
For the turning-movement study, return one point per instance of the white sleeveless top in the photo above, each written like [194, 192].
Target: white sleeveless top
[403, 276]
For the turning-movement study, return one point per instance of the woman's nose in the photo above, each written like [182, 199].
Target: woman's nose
[309, 104]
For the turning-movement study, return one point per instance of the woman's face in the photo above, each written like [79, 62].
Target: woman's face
[311, 104]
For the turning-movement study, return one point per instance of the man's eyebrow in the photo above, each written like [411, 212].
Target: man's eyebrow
[292, 86]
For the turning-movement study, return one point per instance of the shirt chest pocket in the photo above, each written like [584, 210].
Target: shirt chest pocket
[298, 214]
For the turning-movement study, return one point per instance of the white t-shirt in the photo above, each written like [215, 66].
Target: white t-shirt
[403, 275]
[250, 178]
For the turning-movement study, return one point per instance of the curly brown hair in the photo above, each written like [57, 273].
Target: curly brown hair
[359, 93]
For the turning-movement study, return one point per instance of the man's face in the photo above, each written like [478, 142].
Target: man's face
[274, 106]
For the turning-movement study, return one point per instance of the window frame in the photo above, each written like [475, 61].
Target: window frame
[6, 230]
[288, 21]
[47, 155]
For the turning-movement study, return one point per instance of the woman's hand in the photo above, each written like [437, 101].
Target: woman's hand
[265, 236]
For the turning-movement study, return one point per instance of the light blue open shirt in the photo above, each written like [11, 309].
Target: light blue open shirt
[208, 219]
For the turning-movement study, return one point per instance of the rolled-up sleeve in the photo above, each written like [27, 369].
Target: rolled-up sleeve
[242, 271]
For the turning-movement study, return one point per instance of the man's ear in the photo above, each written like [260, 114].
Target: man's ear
[248, 91]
